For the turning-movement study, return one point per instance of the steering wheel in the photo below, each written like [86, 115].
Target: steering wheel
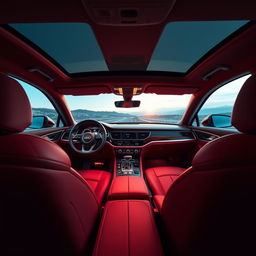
[88, 136]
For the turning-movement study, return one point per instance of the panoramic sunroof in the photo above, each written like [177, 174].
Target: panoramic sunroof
[75, 49]
[71, 45]
[182, 44]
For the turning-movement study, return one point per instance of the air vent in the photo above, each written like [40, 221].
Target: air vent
[143, 135]
[54, 136]
[116, 135]
[65, 135]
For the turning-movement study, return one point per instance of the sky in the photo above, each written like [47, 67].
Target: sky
[150, 103]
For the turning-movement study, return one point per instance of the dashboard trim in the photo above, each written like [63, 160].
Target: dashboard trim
[154, 142]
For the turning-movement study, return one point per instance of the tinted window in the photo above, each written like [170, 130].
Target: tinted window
[41, 105]
[222, 100]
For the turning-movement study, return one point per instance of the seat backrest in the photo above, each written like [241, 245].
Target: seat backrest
[46, 207]
[209, 210]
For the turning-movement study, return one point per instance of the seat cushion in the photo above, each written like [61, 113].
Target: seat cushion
[98, 181]
[161, 178]
[128, 229]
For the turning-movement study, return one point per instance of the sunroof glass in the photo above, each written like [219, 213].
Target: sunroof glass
[72, 45]
[182, 44]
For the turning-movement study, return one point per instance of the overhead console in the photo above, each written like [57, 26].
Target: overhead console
[128, 12]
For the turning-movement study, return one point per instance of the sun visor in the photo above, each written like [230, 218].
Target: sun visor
[165, 90]
[96, 90]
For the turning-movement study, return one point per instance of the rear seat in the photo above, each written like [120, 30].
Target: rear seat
[128, 229]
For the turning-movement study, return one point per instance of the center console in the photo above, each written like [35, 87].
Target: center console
[128, 182]
[128, 162]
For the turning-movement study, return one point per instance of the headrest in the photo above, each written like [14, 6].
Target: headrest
[32, 151]
[244, 111]
[225, 152]
[14, 104]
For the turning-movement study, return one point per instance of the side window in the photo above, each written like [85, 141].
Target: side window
[216, 111]
[43, 111]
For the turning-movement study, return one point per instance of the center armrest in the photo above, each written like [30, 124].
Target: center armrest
[128, 228]
[128, 187]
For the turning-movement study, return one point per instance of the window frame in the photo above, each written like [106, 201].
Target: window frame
[194, 116]
[60, 117]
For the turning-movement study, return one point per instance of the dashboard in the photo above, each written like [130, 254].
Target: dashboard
[139, 135]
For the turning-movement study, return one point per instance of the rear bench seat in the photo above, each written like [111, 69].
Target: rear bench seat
[128, 229]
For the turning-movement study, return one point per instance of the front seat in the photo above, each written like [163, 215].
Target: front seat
[210, 209]
[47, 208]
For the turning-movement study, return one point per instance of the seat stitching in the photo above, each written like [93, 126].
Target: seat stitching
[159, 182]
[168, 175]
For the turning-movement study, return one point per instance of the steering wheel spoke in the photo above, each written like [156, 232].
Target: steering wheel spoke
[98, 135]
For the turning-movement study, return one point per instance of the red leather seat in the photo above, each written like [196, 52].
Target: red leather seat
[161, 178]
[98, 181]
[47, 208]
[210, 209]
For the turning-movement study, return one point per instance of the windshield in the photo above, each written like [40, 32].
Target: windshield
[153, 108]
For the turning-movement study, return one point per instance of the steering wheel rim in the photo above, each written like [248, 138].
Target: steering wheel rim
[90, 141]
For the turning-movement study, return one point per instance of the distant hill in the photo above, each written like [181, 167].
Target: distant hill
[163, 116]
[217, 110]
[83, 114]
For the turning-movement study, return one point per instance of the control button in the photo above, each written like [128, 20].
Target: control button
[128, 151]
[136, 151]
[119, 151]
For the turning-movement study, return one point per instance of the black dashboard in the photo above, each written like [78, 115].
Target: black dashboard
[134, 135]
[138, 135]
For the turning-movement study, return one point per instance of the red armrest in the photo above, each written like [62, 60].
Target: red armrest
[128, 187]
[128, 228]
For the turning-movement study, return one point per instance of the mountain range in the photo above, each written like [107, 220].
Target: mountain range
[164, 115]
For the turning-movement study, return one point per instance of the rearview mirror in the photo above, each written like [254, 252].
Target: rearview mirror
[127, 104]
[218, 121]
[41, 122]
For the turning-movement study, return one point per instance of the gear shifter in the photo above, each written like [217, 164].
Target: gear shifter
[127, 165]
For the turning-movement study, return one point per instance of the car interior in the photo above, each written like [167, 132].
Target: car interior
[127, 128]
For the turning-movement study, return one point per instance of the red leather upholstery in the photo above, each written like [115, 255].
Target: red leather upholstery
[244, 111]
[46, 207]
[128, 187]
[14, 105]
[230, 150]
[209, 210]
[32, 151]
[128, 229]
[98, 181]
[158, 200]
[161, 178]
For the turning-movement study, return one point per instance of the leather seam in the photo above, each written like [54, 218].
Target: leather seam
[160, 185]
